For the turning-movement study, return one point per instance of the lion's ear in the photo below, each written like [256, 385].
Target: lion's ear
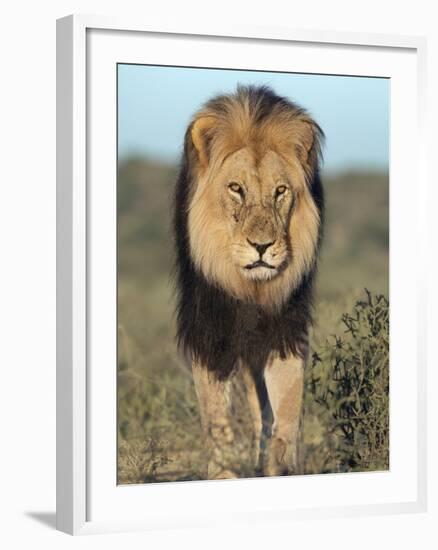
[308, 135]
[202, 133]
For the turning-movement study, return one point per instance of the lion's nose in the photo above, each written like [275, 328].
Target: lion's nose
[261, 247]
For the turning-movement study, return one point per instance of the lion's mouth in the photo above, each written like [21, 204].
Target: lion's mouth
[259, 263]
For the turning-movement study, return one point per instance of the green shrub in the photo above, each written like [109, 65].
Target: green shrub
[349, 381]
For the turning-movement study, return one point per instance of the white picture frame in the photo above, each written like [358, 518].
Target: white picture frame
[87, 500]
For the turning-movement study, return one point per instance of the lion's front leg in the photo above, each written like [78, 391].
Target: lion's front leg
[214, 400]
[285, 384]
[255, 412]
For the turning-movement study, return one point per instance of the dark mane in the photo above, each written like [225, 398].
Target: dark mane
[214, 327]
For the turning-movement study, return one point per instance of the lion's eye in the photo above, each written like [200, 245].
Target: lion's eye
[236, 188]
[281, 190]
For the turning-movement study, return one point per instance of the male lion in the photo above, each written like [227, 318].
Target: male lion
[248, 222]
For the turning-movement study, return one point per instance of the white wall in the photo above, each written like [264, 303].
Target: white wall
[27, 256]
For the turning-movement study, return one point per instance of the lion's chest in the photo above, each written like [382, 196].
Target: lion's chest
[257, 334]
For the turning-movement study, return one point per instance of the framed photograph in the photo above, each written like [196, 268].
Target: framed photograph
[241, 298]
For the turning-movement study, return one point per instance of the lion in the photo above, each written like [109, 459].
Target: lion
[248, 218]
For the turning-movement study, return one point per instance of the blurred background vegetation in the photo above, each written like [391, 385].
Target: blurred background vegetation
[346, 424]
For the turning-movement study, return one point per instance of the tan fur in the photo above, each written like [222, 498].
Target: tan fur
[214, 402]
[255, 412]
[285, 385]
[230, 147]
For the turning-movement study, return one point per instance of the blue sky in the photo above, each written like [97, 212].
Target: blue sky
[156, 104]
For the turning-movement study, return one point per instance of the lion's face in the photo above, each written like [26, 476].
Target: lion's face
[252, 222]
[256, 201]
